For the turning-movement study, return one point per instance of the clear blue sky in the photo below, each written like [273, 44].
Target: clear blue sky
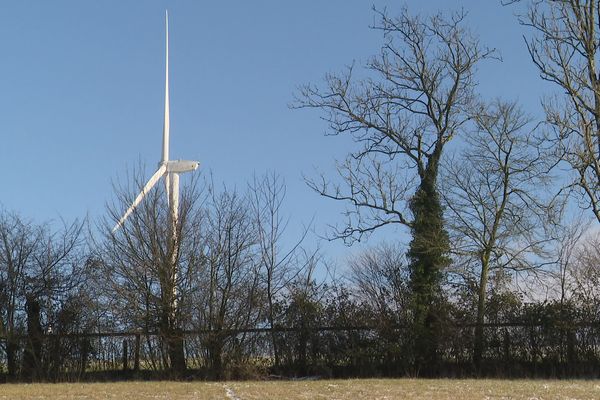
[81, 92]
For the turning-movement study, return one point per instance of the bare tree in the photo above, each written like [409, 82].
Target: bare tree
[39, 270]
[569, 238]
[564, 47]
[230, 296]
[584, 275]
[279, 265]
[55, 287]
[149, 280]
[380, 275]
[303, 311]
[18, 240]
[492, 193]
[417, 95]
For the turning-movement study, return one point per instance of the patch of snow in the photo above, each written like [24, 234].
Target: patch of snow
[230, 394]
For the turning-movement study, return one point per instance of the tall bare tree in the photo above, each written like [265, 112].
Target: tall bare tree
[416, 96]
[564, 47]
[493, 196]
[279, 265]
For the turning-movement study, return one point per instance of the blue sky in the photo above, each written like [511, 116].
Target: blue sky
[81, 93]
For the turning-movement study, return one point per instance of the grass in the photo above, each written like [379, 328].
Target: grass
[321, 389]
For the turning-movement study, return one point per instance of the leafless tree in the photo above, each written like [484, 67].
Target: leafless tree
[585, 276]
[569, 240]
[303, 311]
[279, 265]
[493, 196]
[416, 96]
[18, 243]
[380, 275]
[148, 281]
[40, 269]
[564, 47]
[230, 296]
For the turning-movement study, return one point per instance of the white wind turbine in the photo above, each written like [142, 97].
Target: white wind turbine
[167, 168]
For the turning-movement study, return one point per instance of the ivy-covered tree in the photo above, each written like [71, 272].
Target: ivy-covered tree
[416, 95]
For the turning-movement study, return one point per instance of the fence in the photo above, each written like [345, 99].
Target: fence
[511, 349]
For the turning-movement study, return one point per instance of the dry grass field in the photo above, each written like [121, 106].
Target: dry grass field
[320, 389]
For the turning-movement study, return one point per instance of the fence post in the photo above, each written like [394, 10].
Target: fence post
[125, 354]
[136, 354]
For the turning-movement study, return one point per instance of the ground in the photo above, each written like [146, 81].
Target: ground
[318, 389]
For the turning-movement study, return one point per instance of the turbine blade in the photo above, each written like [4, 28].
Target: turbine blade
[166, 126]
[151, 182]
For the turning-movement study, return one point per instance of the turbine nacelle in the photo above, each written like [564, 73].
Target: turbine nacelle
[180, 166]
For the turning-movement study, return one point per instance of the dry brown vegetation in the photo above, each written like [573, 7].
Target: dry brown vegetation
[320, 389]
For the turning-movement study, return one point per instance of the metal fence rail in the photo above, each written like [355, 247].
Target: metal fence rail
[510, 349]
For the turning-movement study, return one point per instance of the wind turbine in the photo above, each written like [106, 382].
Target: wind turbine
[168, 169]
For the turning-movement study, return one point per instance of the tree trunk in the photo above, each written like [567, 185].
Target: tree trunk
[478, 342]
[11, 356]
[136, 354]
[32, 358]
[271, 323]
[215, 350]
[84, 351]
[176, 354]
[125, 359]
[302, 350]
[170, 332]
[173, 339]
[428, 256]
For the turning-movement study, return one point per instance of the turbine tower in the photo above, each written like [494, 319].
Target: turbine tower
[168, 169]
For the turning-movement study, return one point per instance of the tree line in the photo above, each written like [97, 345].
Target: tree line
[488, 195]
